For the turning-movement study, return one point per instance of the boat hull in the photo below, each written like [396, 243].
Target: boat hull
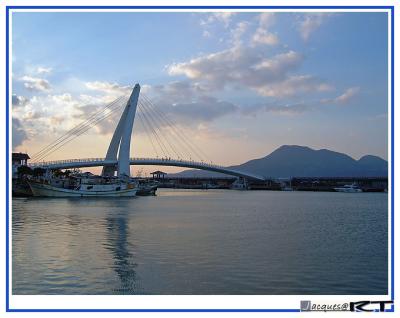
[45, 190]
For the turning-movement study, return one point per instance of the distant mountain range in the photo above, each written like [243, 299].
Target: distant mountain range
[298, 161]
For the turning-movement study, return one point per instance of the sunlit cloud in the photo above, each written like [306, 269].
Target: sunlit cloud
[43, 70]
[35, 83]
[309, 23]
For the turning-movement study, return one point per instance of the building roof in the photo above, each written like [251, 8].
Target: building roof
[20, 156]
[158, 172]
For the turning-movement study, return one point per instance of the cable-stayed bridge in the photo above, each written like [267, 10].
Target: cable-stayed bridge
[117, 161]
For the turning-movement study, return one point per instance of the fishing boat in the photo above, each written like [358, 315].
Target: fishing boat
[82, 186]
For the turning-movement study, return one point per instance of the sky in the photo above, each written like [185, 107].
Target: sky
[236, 84]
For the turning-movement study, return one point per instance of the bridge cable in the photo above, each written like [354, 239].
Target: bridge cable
[171, 144]
[179, 133]
[77, 133]
[71, 137]
[197, 151]
[74, 129]
[156, 127]
[111, 106]
[176, 152]
[184, 147]
[141, 120]
[74, 136]
[158, 139]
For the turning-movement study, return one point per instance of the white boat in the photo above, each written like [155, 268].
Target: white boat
[349, 188]
[82, 187]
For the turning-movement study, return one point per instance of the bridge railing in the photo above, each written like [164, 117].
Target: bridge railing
[58, 162]
[200, 163]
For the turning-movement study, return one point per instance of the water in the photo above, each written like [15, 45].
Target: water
[202, 242]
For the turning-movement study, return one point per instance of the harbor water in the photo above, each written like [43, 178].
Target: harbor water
[202, 242]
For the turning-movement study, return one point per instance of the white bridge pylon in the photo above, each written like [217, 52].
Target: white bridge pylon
[121, 141]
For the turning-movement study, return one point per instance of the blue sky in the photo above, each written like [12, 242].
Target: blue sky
[248, 81]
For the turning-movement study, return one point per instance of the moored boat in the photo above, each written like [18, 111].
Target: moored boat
[77, 186]
[349, 188]
[146, 187]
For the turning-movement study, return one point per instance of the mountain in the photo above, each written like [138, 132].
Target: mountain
[299, 161]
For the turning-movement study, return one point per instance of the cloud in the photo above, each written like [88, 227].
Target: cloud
[238, 31]
[236, 36]
[294, 85]
[32, 114]
[266, 19]
[204, 109]
[49, 115]
[206, 34]
[310, 22]
[250, 68]
[264, 37]
[211, 23]
[188, 103]
[262, 34]
[109, 116]
[238, 64]
[43, 70]
[19, 101]
[278, 108]
[112, 89]
[221, 17]
[348, 95]
[19, 135]
[300, 107]
[175, 91]
[291, 109]
[35, 83]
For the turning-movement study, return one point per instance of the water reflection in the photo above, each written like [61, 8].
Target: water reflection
[118, 243]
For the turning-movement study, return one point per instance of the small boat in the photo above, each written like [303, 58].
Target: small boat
[82, 186]
[146, 187]
[349, 188]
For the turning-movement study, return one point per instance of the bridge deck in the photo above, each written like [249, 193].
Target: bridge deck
[95, 162]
